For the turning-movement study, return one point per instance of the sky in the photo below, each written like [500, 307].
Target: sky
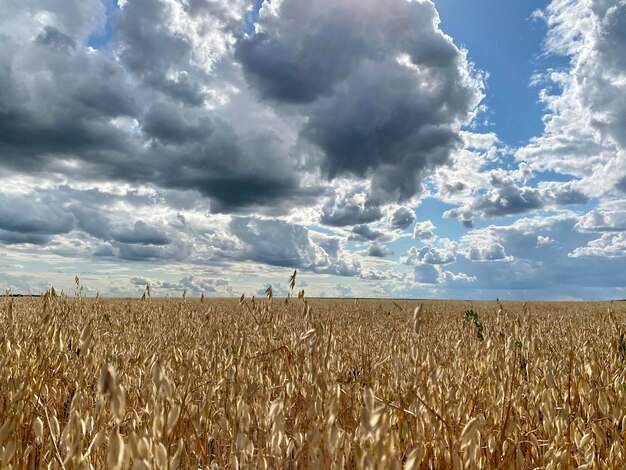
[382, 148]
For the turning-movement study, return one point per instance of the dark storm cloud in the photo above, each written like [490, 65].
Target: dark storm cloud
[185, 152]
[201, 151]
[402, 218]
[61, 209]
[15, 238]
[166, 123]
[364, 233]
[348, 215]
[506, 198]
[51, 36]
[25, 218]
[234, 170]
[377, 250]
[150, 49]
[59, 104]
[369, 114]
[383, 125]
[350, 208]
[140, 116]
[136, 252]
[84, 220]
[91, 220]
[80, 114]
[281, 72]
[172, 46]
[141, 234]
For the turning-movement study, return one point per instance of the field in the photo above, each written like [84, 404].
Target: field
[180, 383]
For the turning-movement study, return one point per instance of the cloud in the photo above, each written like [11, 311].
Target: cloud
[571, 268]
[402, 218]
[371, 274]
[150, 49]
[57, 100]
[424, 230]
[519, 239]
[378, 250]
[447, 277]
[545, 241]
[425, 274]
[142, 234]
[23, 283]
[506, 198]
[351, 207]
[144, 252]
[430, 255]
[51, 36]
[90, 219]
[343, 291]
[609, 217]
[192, 284]
[364, 233]
[277, 289]
[182, 99]
[202, 151]
[467, 172]
[14, 238]
[23, 220]
[182, 103]
[389, 65]
[279, 243]
[75, 18]
[609, 245]
[141, 281]
[173, 46]
[186, 142]
[143, 118]
[585, 122]
[492, 252]
[276, 242]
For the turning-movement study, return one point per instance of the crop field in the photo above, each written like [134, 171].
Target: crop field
[310, 383]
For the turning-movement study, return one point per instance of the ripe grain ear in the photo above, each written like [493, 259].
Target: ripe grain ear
[113, 383]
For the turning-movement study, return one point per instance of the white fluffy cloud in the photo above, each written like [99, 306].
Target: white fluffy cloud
[585, 124]
[424, 230]
[612, 245]
[609, 216]
[492, 252]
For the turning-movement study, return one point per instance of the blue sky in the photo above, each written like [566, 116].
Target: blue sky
[101, 38]
[215, 146]
[503, 39]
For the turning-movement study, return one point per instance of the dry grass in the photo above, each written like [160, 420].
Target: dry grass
[173, 383]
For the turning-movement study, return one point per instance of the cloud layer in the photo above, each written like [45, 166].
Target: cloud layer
[189, 137]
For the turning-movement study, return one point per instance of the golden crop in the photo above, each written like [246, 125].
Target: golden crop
[180, 383]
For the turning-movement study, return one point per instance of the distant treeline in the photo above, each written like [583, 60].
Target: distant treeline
[20, 295]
